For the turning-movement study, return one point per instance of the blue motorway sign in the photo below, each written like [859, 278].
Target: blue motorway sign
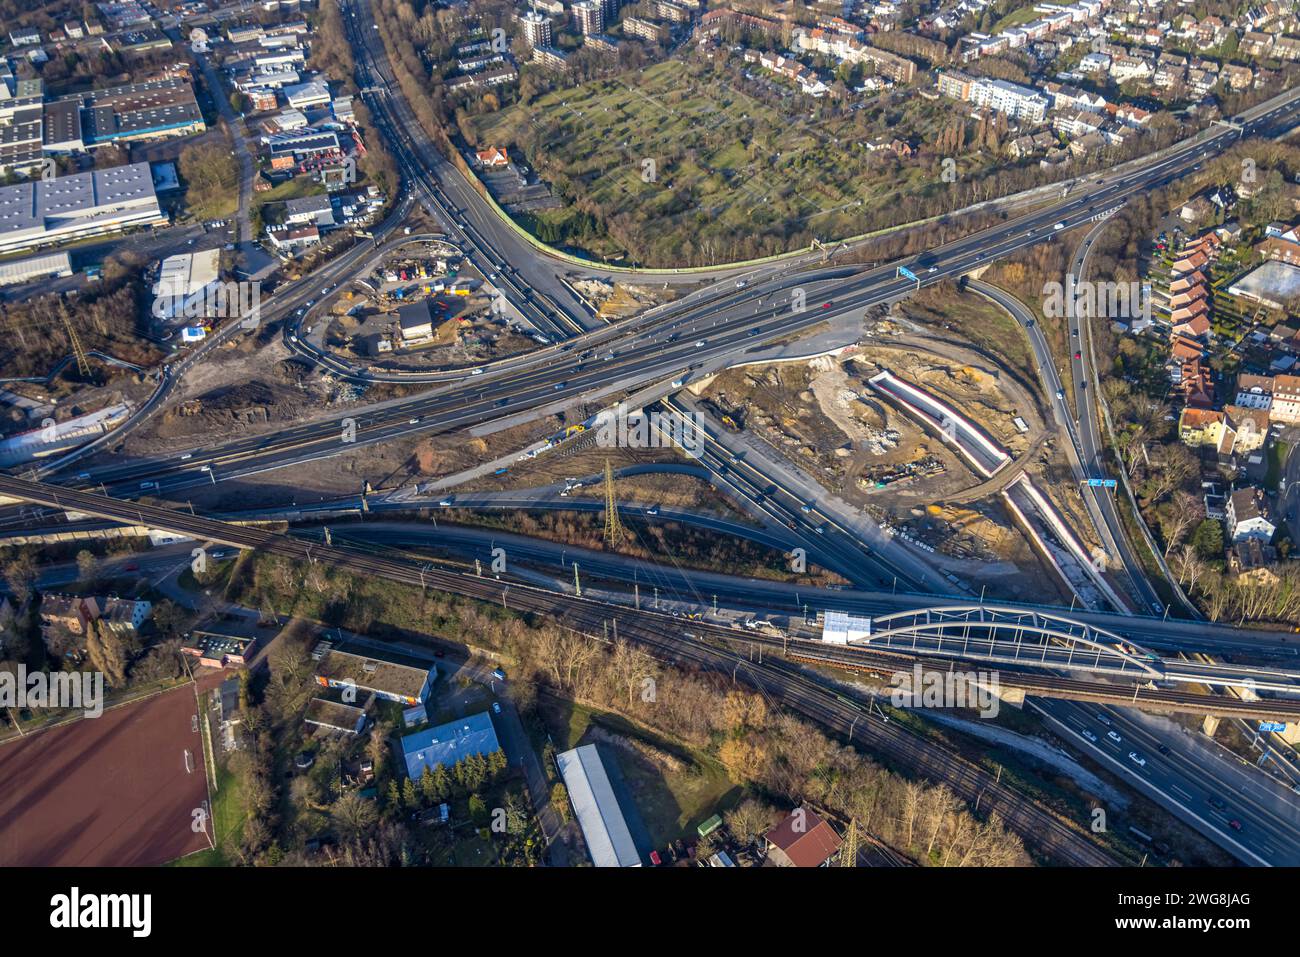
[1272, 726]
[904, 271]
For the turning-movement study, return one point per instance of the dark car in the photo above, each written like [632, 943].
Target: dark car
[1217, 804]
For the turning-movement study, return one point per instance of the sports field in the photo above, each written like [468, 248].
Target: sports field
[108, 791]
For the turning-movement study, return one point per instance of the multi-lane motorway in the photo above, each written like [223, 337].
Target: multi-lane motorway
[691, 338]
[704, 335]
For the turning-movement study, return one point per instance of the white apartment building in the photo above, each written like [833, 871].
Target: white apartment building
[1018, 102]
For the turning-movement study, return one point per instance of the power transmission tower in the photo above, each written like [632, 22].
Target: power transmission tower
[614, 531]
[849, 852]
[83, 364]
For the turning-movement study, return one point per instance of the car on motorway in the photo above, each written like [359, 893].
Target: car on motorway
[1235, 824]
[1058, 225]
[1060, 393]
[558, 386]
[741, 284]
[1089, 735]
[414, 420]
[826, 305]
[496, 707]
[445, 502]
[148, 484]
[501, 402]
[477, 372]
[1078, 355]
[1114, 736]
[187, 456]
[1216, 803]
[805, 508]
[1163, 749]
[499, 674]
[700, 343]
[820, 529]
[1137, 759]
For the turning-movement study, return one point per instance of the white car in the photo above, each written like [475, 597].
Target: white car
[1114, 736]
[477, 372]
[414, 421]
[699, 343]
[1137, 759]
[1059, 226]
[1089, 735]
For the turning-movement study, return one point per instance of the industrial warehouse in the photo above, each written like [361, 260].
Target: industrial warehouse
[594, 805]
[44, 212]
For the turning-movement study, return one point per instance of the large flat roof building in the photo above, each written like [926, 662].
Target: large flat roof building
[38, 267]
[449, 743]
[183, 282]
[45, 212]
[137, 111]
[391, 679]
[609, 841]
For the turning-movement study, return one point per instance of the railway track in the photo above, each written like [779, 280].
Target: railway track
[1049, 835]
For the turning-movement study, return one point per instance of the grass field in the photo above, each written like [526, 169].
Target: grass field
[731, 176]
[227, 824]
[980, 322]
[1017, 18]
[671, 798]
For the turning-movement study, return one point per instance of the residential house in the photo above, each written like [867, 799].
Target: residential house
[803, 839]
[1248, 516]
[1254, 391]
[1286, 399]
[1198, 428]
[1250, 427]
[1252, 560]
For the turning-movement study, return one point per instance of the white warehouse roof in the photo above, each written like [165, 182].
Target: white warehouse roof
[603, 826]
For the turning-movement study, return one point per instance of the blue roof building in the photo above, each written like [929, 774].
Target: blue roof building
[448, 743]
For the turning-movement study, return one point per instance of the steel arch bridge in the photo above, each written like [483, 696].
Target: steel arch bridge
[1012, 636]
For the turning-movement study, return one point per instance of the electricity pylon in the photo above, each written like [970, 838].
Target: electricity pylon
[849, 852]
[614, 531]
[83, 364]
